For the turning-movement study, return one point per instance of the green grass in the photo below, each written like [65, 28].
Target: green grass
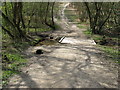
[15, 60]
[97, 37]
[112, 52]
[11, 47]
[85, 23]
[11, 65]
[87, 32]
[43, 29]
[39, 29]
[81, 26]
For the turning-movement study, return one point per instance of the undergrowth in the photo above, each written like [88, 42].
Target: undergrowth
[11, 64]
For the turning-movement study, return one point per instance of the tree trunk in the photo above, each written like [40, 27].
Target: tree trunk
[100, 27]
[46, 12]
[21, 15]
[53, 23]
[17, 19]
[51, 26]
[89, 14]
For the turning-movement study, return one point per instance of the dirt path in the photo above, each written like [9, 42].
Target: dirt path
[76, 63]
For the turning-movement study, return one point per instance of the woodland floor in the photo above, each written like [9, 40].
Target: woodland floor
[76, 62]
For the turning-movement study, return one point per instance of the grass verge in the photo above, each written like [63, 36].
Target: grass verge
[11, 64]
[111, 51]
[12, 60]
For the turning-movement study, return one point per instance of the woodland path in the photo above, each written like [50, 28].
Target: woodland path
[76, 63]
